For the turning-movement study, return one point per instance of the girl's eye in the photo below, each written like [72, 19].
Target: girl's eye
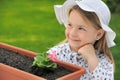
[81, 28]
[69, 25]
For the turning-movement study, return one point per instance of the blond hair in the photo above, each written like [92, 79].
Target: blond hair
[101, 44]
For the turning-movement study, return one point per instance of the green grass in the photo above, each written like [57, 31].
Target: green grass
[115, 24]
[32, 25]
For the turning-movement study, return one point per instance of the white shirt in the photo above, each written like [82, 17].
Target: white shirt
[104, 70]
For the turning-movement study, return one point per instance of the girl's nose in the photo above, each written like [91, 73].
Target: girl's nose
[73, 32]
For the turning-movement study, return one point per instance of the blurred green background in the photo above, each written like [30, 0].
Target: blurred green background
[32, 25]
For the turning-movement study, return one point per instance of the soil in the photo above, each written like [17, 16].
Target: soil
[25, 63]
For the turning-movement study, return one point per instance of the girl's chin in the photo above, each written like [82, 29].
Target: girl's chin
[74, 47]
[73, 43]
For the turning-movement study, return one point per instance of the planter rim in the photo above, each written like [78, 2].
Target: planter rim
[17, 49]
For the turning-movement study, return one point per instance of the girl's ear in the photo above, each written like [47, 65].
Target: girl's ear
[100, 34]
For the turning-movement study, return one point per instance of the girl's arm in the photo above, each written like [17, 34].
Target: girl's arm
[88, 53]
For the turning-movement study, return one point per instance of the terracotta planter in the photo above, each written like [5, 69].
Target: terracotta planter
[10, 73]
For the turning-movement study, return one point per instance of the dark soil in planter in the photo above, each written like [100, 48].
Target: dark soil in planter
[25, 63]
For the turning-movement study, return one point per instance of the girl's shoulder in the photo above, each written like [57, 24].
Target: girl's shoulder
[63, 46]
[102, 57]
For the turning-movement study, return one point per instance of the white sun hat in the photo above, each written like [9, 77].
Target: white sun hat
[96, 6]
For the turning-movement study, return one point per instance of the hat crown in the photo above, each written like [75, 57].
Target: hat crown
[100, 8]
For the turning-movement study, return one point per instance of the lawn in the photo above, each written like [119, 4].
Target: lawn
[32, 25]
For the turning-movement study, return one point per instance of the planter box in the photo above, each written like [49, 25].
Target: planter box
[11, 73]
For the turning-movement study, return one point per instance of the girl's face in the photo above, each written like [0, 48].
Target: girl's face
[80, 31]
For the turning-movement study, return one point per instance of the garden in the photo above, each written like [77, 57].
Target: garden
[32, 25]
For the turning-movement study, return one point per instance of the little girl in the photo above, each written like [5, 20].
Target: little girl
[88, 38]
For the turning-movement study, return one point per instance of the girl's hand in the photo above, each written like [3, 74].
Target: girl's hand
[88, 53]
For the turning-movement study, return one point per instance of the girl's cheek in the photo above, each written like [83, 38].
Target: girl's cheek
[67, 32]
